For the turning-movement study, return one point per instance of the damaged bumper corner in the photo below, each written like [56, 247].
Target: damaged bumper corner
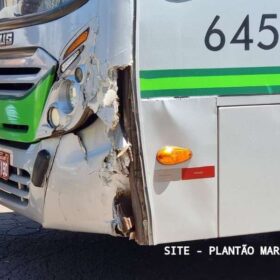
[84, 184]
[86, 178]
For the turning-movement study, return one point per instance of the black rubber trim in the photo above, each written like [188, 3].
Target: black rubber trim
[13, 144]
[41, 18]
[40, 168]
[16, 87]
[19, 71]
[16, 127]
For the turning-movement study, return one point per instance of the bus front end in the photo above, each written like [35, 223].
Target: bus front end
[64, 156]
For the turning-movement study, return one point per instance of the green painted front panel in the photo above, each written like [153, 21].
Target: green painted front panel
[206, 82]
[25, 111]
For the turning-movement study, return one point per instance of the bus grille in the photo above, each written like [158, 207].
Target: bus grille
[16, 189]
[21, 70]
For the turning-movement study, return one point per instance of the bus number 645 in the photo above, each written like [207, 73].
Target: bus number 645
[242, 35]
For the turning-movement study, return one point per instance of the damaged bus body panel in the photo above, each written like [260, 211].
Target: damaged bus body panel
[87, 163]
[87, 176]
[86, 184]
[143, 119]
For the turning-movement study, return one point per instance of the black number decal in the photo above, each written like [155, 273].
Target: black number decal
[214, 31]
[244, 28]
[242, 35]
[269, 28]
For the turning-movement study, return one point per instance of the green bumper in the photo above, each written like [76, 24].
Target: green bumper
[20, 118]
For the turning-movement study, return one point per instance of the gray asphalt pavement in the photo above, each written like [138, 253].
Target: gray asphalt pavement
[29, 252]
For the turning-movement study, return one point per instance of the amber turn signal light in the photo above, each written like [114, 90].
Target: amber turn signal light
[171, 155]
[77, 43]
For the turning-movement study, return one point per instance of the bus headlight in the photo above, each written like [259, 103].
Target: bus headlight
[54, 117]
[69, 95]
[72, 96]
[66, 107]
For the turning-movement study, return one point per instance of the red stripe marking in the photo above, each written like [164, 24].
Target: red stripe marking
[198, 173]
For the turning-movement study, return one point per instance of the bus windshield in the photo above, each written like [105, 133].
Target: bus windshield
[11, 9]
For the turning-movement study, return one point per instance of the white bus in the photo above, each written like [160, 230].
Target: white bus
[154, 120]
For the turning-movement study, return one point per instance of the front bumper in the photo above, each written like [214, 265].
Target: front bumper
[22, 161]
[80, 188]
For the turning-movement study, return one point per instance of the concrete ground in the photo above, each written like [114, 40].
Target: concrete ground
[29, 252]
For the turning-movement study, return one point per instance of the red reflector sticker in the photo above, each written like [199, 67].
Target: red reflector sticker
[198, 173]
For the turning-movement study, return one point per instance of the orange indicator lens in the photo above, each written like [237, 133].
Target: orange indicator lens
[171, 155]
[77, 43]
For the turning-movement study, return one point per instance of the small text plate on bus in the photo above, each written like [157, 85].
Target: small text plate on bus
[6, 39]
[4, 165]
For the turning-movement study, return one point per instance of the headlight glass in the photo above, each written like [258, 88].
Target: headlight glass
[68, 97]
[64, 107]
[54, 117]
[79, 75]
[72, 96]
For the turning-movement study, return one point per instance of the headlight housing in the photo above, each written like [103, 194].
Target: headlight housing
[64, 108]
[68, 98]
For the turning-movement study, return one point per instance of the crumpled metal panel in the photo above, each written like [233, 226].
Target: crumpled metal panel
[88, 173]
[90, 167]
[108, 48]
[86, 176]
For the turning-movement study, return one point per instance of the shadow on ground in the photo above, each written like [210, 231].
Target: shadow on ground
[29, 252]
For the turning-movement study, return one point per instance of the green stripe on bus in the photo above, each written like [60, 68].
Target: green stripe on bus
[211, 91]
[196, 82]
[210, 82]
[153, 74]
